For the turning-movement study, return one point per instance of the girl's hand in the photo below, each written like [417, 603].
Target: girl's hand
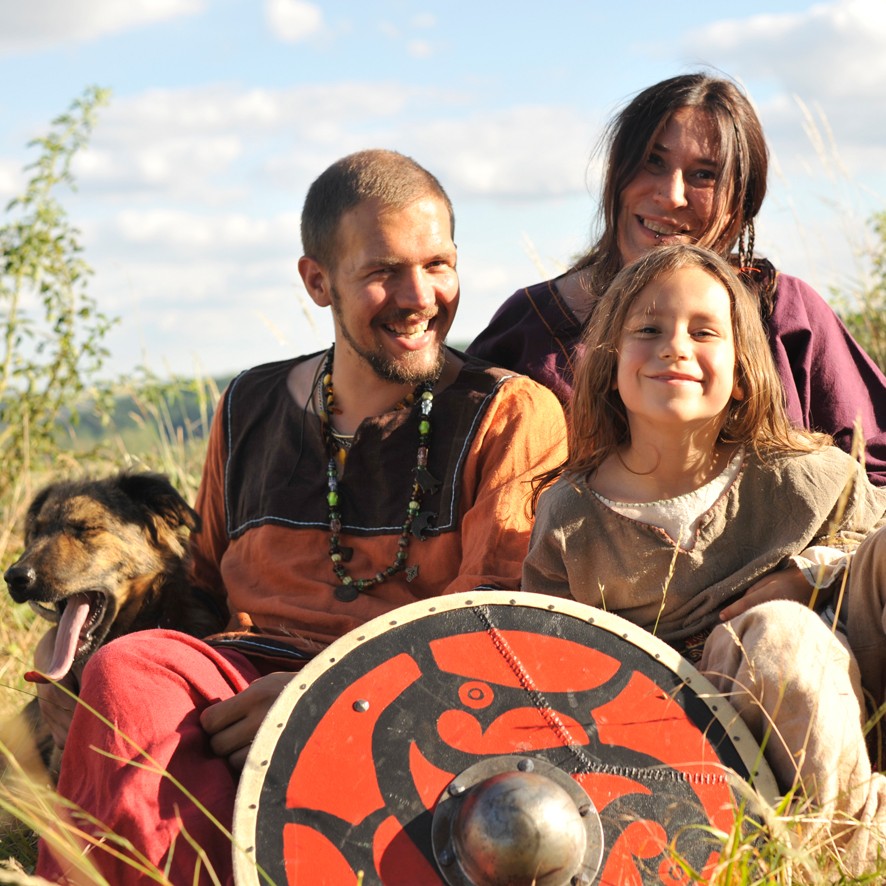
[56, 705]
[784, 584]
[233, 723]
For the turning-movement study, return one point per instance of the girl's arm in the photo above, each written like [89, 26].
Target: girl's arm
[788, 583]
[813, 574]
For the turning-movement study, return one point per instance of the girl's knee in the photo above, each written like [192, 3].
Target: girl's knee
[778, 624]
[780, 637]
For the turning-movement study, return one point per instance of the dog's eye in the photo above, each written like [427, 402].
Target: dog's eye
[81, 530]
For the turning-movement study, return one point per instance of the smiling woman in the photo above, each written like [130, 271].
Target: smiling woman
[670, 199]
[687, 163]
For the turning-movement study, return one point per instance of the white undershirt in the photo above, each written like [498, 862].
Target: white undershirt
[680, 516]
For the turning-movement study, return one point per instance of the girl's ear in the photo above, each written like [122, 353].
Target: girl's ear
[737, 390]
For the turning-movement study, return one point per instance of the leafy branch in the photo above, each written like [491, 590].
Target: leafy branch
[51, 330]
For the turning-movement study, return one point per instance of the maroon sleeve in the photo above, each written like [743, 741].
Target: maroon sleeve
[533, 333]
[829, 380]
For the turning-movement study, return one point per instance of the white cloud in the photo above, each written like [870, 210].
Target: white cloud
[834, 51]
[216, 146]
[215, 312]
[389, 29]
[293, 20]
[182, 165]
[42, 23]
[217, 109]
[419, 49]
[218, 141]
[223, 237]
[189, 203]
[10, 180]
[521, 152]
[818, 78]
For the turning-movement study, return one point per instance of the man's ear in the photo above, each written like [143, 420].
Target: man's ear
[316, 280]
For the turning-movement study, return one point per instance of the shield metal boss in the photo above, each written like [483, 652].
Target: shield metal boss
[376, 732]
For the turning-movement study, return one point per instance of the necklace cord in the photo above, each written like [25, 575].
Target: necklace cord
[423, 481]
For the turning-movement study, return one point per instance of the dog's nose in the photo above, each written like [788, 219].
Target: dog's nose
[20, 580]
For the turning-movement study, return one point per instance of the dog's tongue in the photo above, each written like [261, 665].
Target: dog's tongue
[67, 637]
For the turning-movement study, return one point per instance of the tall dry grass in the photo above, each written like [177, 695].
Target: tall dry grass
[151, 440]
[786, 844]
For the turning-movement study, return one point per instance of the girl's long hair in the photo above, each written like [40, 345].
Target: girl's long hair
[596, 416]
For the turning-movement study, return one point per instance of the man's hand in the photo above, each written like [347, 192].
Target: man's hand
[56, 706]
[784, 584]
[233, 723]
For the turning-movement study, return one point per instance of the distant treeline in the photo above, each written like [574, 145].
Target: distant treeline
[182, 407]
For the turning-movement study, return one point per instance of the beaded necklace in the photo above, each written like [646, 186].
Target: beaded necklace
[337, 450]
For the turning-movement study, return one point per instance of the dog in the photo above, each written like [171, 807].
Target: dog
[103, 558]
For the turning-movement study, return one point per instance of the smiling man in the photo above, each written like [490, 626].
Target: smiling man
[337, 486]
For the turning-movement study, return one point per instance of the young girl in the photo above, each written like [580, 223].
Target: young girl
[690, 506]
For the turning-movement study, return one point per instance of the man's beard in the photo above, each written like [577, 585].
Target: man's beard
[410, 368]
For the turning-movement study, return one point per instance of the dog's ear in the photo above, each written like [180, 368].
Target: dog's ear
[156, 494]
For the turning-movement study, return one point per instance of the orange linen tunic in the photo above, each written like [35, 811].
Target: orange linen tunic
[264, 544]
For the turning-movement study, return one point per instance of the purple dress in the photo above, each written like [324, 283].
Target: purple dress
[827, 377]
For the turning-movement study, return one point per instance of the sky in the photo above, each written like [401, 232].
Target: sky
[224, 111]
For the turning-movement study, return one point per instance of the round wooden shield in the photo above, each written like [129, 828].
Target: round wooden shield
[363, 746]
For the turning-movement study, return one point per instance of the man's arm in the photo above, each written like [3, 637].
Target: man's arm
[209, 544]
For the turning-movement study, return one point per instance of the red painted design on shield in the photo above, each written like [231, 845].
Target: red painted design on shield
[475, 694]
[640, 839]
[516, 731]
[348, 788]
[374, 803]
[311, 858]
[556, 665]
[603, 787]
[665, 732]
[430, 781]
[397, 860]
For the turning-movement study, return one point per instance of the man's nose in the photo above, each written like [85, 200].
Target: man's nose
[417, 290]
